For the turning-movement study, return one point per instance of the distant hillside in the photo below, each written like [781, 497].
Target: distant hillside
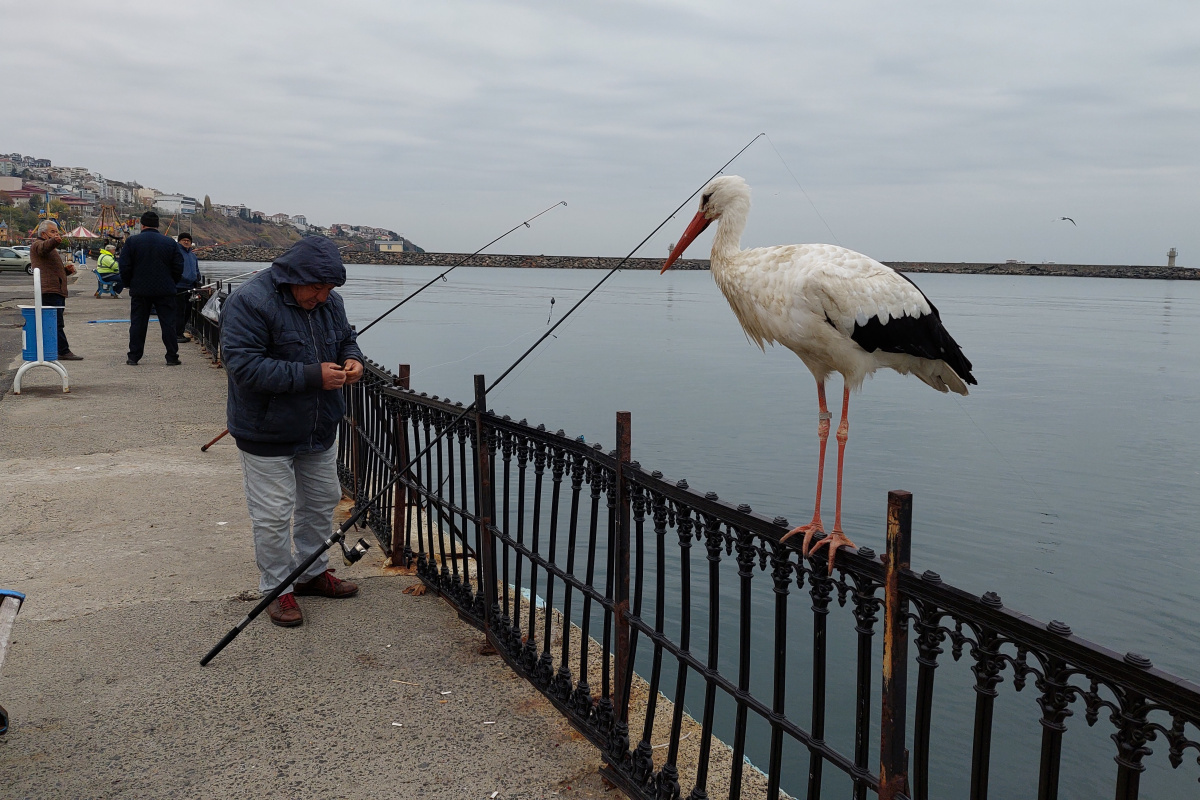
[213, 229]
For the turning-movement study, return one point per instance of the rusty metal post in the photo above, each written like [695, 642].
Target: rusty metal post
[483, 505]
[400, 494]
[893, 759]
[351, 403]
[350, 393]
[621, 594]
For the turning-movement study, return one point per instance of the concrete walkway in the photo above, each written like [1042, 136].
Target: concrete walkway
[135, 552]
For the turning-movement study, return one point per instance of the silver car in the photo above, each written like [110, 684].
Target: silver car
[12, 259]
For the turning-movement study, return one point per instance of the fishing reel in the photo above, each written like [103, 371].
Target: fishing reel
[352, 554]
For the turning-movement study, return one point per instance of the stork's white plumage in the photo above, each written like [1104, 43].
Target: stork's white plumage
[838, 310]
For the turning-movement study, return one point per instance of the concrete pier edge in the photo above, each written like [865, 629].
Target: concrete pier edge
[135, 552]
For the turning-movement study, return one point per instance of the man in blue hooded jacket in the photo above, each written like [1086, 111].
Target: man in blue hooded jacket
[288, 349]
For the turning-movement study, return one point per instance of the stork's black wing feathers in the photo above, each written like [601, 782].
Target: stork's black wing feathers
[924, 337]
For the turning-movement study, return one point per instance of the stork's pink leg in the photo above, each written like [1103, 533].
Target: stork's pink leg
[837, 538]
[823, 435]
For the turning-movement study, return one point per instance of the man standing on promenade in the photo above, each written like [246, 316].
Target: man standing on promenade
[150, 265]
[288, 350]
[44, 255]
[106, 265]
[184, 286]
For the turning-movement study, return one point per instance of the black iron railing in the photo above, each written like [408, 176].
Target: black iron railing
[701, 655]
[205, 331]
[589, 573]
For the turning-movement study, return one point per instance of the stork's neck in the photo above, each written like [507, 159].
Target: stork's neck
[728, 240]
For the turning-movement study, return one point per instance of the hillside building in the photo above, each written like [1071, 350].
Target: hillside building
[175, 204]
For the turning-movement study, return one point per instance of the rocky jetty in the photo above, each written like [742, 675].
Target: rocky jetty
[268, 254]
[1061, 270]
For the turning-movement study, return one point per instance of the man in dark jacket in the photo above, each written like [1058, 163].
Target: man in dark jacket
[288, 349]
[184, 286]
[150, 266]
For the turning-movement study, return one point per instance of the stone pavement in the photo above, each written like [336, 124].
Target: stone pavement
[135, 552]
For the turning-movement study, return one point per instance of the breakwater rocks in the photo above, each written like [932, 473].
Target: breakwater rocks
[1061, 270]
[242, 253]
[268, 254]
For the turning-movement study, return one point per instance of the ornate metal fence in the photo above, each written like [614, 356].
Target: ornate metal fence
[207, 332]
[664, 624]
[669, 627]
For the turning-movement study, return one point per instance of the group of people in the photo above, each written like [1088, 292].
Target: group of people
[159, 272]
[288, 349]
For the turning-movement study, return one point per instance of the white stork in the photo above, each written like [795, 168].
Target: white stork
[839, 310]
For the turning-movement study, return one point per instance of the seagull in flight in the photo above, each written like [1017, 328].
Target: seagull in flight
[1068, 219]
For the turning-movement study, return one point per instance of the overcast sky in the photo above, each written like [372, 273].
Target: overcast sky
[940, 131]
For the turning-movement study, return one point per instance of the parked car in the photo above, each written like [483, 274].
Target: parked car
[11, 259]
[23, 249]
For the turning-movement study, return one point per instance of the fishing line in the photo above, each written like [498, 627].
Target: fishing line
[233, 278]
[459, 264]
[477, 352]
[1010, 465]
[810, 200]
[427, 285]
[353, 519]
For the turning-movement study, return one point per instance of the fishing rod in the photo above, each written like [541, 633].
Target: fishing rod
[339, 536]
[232, 278]
[459, 264]
[204, 448]
[214, 283]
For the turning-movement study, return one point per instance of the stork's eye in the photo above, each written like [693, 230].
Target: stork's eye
[704, 199]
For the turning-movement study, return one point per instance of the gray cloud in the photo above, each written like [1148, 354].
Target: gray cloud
[932, 130]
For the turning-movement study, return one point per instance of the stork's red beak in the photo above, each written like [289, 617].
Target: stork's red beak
[694, 229]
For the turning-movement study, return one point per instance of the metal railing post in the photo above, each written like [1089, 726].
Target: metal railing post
[617, 746]
[621, 594]
[400, 500]
[483, 506]
[893, 759]
[351, 394]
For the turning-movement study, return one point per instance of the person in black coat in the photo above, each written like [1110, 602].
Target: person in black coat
[150, 265]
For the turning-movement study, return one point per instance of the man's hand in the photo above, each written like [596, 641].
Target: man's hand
[333, 376]
[354, 370]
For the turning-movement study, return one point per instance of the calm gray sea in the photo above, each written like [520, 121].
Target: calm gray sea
[1068, 481]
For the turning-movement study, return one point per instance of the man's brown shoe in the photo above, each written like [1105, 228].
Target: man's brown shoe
[326, 585]
[285, 611]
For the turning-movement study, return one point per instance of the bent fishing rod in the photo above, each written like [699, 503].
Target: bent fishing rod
[204, 448]
[350, 555]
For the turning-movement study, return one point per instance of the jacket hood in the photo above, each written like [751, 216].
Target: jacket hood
[313, 259]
